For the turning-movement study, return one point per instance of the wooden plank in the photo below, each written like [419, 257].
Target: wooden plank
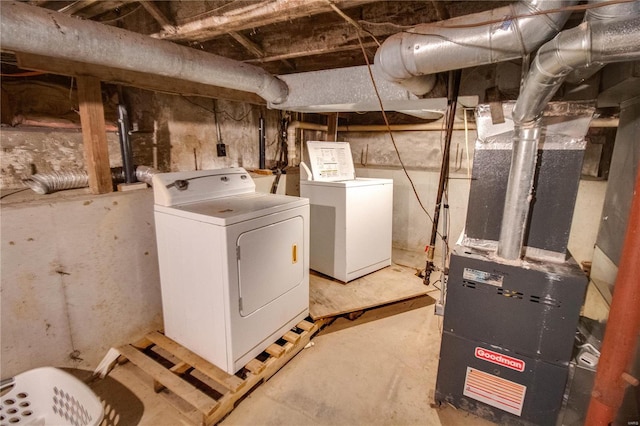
[229, 381]
[178, 369]
[275, 350]
[133, 78]
[184, 390]
[255, 366]
[272, 365]
[330, 298]
[291, 337]
[94, 135]
[122, 187]
[305, 325]
[153, 10]
[143, 343]
[253, 16]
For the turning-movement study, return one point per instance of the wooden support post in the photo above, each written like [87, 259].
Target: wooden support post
[332, 127]
[94, 135]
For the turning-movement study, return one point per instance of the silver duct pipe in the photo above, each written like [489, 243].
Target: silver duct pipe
[591, 42]
[458, 43]
[605, 12]
[32, 29]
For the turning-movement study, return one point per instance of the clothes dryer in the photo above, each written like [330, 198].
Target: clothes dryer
[233, 263]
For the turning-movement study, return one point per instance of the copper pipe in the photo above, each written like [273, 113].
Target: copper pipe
[623, 327]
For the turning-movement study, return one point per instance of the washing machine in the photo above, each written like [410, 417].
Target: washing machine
[234, 263]
[351, 217]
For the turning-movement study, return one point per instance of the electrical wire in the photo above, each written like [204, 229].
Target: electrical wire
[14, 192]
[579, 7]
[228, 115]
[507, 19]
[108, 21]
[393, 141]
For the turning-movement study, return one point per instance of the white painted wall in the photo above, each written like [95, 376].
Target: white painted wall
[79, 274]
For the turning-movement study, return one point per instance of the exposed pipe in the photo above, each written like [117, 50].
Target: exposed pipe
[261, 143]
[454, 89]
[596, 41]
[32, 29]
[518, 195]
[605, 12]
[457, 43]
[125, 143]
[623, 327]
[591, 42]
[418, 127]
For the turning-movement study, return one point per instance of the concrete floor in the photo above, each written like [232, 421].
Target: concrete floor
[379, 369]
[376, 370]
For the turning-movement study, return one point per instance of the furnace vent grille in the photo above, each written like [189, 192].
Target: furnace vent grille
[514, 294]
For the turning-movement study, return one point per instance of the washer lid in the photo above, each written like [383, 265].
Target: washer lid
[330, 161]
[357, 182]
[233, 209]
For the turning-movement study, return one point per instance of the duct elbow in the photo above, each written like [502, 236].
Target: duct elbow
[273, 90]
[391, 59]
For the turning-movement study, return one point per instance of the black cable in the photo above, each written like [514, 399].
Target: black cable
[14, 192]
[393, 141]
[220, 111]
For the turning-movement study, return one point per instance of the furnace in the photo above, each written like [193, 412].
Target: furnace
[510, 324]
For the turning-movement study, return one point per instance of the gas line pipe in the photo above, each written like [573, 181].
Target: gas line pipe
[622, 330]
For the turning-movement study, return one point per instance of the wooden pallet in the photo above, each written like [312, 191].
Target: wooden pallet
[210, 392]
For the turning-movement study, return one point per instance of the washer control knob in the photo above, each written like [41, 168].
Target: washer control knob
[224, 178]
[243, 177]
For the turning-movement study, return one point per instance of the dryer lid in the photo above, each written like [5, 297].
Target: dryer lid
[330, 161]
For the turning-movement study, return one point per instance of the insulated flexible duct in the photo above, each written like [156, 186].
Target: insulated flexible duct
[31, 29]
[46, 183]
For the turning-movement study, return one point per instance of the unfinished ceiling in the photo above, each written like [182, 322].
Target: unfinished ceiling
[288, 37]
[282, 36]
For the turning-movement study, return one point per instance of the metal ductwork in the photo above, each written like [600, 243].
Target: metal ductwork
[601, 41]
[460, 43]
[602, 13]
[32, 29]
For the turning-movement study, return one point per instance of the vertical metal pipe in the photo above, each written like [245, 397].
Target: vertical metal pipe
[125, 144]
[519, 192]
[261, 142]
[623, 326]
[454, 89]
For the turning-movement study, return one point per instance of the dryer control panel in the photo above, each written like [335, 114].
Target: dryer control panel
[171, 189]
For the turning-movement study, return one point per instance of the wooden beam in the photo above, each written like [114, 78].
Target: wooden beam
[157, 14]
[248, 44]
[94, 135]
[76, 6]
[264, 14]
[319, 51]
[133, 78]
[255, 49]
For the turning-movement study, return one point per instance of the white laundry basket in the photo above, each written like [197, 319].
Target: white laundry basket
[48, 396]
